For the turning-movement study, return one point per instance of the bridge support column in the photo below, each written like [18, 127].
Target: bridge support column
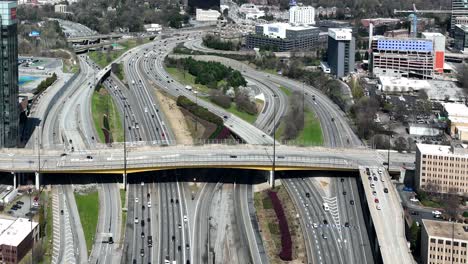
[37, 180]
[271, 179]
[14, 179]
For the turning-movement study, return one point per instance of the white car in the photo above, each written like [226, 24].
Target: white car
[142, 184]
[378, 206]
[415, 200]
[136, 200]
[149, 204]
[315, 225]
[136, 220]
[185, 218]
[436, 212]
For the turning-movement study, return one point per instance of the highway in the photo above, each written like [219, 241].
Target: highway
[109, 225]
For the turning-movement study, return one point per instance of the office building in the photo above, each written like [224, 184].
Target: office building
[16, 238]
[457, 114]
[283, 37]
[438, 41]
[460, 38]
[9, 112]
[207, 15]
[442, 169]
[459, 9]
[402, 57]
[302, 15]
[340, 51]
[444, 242]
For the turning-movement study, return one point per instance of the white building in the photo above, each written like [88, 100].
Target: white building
[251, 11]
[300, 14]
[152, 27]
[207, 15]
[60, 8]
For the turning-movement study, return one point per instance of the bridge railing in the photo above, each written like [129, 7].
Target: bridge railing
[176, 161]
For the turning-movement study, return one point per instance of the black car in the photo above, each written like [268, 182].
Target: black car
[325, 222]
[308, 195]
[346, 224]
[111, 240]
[385, 190]
[342, 180]
[142, 222]
[172, 200]
[143, 207]
[142, 252]
[61, 212]
[344, 192]
[351, 202]
[375, 178]
[179, 248]
[142, 234]
[176, 201]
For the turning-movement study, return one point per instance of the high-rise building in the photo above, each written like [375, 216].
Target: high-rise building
[304, 15]
[459, 9]
[444, 242]
[341, 51]
[9, 105]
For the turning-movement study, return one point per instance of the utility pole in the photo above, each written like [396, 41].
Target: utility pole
[388, 153]
[274, 143]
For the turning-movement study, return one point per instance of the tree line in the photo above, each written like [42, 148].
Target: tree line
[215, 42]
[45, 84]
[209, 73]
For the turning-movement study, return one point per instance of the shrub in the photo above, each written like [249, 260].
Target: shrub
[220, 99]
[286, 243]
[199, 111]
[45, 84]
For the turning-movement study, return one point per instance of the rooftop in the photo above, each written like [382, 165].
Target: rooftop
[456, 110]
[431, 34]
[444, 229]
[14, 231]
[460, 149]
[462, 27]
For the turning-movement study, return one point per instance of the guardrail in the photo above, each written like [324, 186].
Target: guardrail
[57, 95]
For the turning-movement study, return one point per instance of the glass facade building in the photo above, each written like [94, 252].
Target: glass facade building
[9, 112]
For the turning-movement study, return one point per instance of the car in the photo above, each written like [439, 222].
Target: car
[134, 261]
[307, 195]
[346, 224]
[376, 200]
[315, 225]
[344, 192]
[136, 220]
[414, 200]
[173, 238]
[179, 248]
[142, 222]
[172, 200]
[369, 178]
[185, 218]
[385, 190]
[414, 212]
[142, 252]
[325, 222]
[324, 236]
[378, 207]
[177, 201]
[375, 178]
[149, 204]
[142, 234]
[233, 156]
[342, 180]
[438, 216]
[187, 246]
[110, 241]
[20, 202]
[148, 195]
[180, 226]
[142, 183]
[225, 117]
[436, 212]
[306, 204]
[136, 200]
[14, 208]
[89, 157]
[374, 193]
[351, 202]
[143, 207]
[372, 185]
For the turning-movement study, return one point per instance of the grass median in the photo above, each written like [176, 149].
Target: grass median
[104, 58]
[312, 132]
[88, 208]
[103, 105]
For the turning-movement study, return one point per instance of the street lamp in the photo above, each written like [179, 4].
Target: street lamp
[274, 142]
[196, 102]
[125, 146]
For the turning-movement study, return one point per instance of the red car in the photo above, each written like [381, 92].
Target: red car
[376, 200]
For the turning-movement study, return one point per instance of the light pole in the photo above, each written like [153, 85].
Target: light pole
[274, 142]
[196, 102]
[125, 146]
[388, 155]
[30, 220]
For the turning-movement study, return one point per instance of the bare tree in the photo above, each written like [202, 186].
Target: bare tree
[401, 144]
